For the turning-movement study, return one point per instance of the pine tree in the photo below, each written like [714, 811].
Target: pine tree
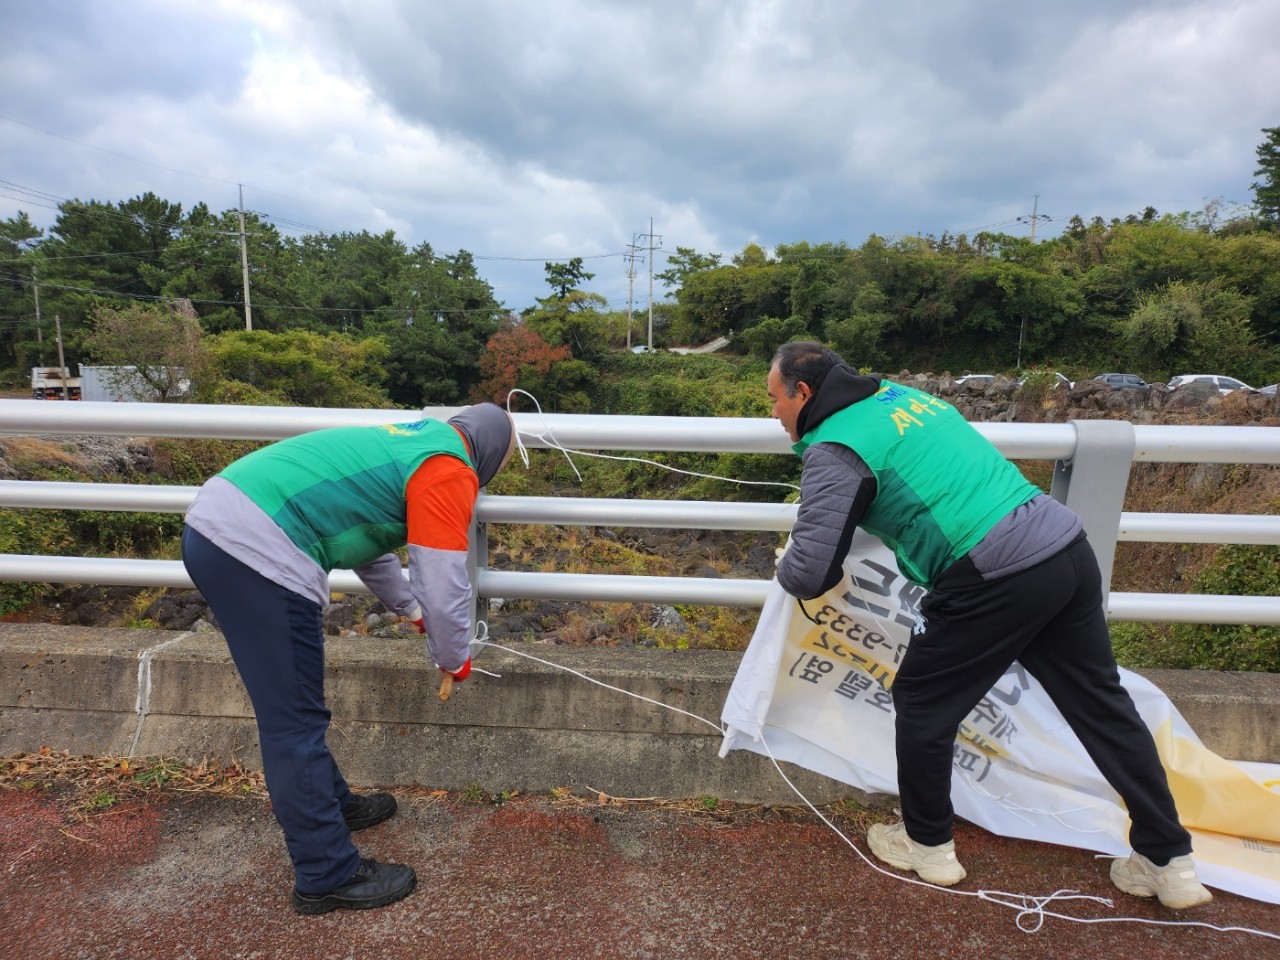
[1266, 191]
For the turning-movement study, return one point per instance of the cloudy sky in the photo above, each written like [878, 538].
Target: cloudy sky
[526, 132]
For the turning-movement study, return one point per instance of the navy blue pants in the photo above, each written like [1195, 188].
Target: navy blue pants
[1050, 620]
[276, 639]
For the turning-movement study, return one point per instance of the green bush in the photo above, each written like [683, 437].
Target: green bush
[30, 532]
[1237, 570]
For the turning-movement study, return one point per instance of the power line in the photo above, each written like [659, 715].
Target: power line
[123, 156]
[101, 209]
[157, 298]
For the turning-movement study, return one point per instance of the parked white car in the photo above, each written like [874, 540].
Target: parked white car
[1225, 385]
[1060, 380]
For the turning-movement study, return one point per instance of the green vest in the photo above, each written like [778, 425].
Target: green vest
[941, 486]
[339, 494]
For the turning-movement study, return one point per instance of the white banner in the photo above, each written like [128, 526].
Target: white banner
[815, 680]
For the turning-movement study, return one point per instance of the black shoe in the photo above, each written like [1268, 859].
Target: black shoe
[366, 809]
[374, 885]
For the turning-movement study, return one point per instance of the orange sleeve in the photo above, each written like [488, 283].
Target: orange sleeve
[439, 501]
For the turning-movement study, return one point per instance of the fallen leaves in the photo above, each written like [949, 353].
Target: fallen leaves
[96, 784]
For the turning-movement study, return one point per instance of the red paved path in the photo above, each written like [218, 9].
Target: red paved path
[208, 878]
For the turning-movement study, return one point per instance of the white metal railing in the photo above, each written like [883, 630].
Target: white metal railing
[1099, 492]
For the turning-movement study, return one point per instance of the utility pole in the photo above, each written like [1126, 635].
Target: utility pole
[244, 264]
[35, 285]
[1035, 217]
[631, 280]
[62, 363]
[651, 238]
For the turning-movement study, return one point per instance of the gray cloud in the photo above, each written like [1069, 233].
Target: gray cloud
[557, 129]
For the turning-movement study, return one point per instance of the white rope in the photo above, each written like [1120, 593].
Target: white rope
[657, 703]
[548, 438]
[1031, 910]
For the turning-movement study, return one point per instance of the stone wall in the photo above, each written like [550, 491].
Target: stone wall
[1003, 400]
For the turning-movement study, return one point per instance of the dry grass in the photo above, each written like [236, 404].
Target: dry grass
[92, 785]
[31, 453]
[1248, 489]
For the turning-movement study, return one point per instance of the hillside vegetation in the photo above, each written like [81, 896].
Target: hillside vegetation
[677, 386]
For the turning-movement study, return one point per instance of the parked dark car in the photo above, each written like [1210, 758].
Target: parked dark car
[1123, 381]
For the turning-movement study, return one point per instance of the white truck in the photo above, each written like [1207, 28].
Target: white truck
[54, 383]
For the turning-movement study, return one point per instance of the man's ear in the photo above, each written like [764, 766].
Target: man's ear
[803, 391]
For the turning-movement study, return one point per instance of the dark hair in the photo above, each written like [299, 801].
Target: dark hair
[804, 361]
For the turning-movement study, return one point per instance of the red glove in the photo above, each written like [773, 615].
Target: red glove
[420, 625]
[461, 673]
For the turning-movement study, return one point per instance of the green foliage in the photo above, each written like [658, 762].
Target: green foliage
[108, 533]
[164, 344]
[31, 532]
[160, 772]
[766, 335]
[576, 321]
[683, 264]
[1185, 326]
[435, 325]
[191, 462]
[565, 278]
[1266, 189]
[1238, 570]
[302, 368]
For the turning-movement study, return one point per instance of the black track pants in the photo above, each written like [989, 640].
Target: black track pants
[1049, 619]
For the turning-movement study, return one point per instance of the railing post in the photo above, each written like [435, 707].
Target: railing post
[1093, 484]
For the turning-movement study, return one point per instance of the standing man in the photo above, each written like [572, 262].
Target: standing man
[1010, 577]
[260, 540]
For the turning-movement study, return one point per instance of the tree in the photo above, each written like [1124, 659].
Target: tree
[157, 350]
[565, 277]
[767, 334]
[683, 264]
[576, 321]
[104, 252]
[19, 264]
[1266, 191]
[203, 264]
[347, 278]
[515, 357]
[301, 368]
[1192, 326]
[440, 316]
[858, 337]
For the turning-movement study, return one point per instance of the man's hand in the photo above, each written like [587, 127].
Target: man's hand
[461, 673]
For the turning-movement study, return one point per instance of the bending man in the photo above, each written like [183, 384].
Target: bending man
[1010, 577]
[260, 540]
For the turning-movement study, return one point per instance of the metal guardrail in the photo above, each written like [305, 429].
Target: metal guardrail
[1092, 461]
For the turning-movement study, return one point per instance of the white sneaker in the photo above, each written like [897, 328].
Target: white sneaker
[891, 844]
[1175, 883]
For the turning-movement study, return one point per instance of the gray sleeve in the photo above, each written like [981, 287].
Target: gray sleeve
[836, 486]
[385, 577]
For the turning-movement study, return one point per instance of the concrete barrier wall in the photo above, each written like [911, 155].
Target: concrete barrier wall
[532, 728]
